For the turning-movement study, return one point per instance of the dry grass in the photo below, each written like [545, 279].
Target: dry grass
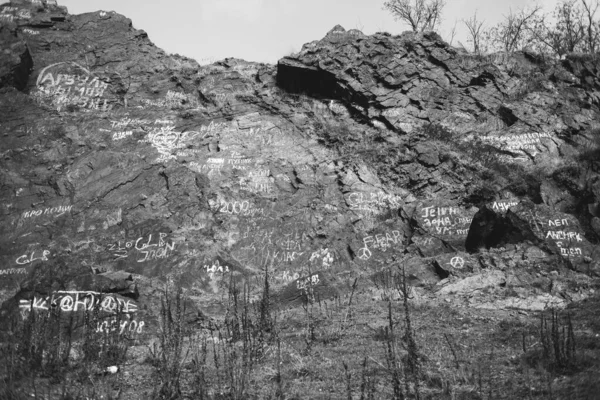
[353, 348]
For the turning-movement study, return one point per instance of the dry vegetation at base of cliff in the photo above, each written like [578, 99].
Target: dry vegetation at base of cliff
[373, 343]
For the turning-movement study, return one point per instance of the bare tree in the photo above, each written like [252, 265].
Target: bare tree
[421, 15]
[569, 26]
[476, 32]
[513, 34]
[566, 35]
[592, 27]
[574, 28]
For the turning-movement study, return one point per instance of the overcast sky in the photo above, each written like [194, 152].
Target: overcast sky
[266, 30]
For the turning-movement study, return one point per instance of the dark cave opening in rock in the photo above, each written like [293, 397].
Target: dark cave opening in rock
[491, 229]
[311, 81]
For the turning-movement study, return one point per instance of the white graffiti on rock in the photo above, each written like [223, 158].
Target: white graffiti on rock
[74, 301]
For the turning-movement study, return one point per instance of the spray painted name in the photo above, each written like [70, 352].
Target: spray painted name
[60, 210]
[73, 301]
[148, 249]
[29, 258]
[68, 83]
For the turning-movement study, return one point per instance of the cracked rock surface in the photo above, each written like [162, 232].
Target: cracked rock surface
[123, 168]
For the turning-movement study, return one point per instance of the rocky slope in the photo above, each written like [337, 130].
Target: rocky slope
[124, 169]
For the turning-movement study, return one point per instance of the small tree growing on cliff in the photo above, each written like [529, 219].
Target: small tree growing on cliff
[514, 32]
[477, 34]
[421, 15]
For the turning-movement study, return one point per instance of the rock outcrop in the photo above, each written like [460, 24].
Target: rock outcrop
[124, 169]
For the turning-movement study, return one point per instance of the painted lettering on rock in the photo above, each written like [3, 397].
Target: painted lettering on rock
[80, 301]
[146, 248]
[53, 211]
[122, 326]
[69, 84]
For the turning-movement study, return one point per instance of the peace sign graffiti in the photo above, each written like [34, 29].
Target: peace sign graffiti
[364, 253]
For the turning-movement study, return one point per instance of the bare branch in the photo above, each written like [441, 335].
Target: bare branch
[453, 33]
[516, 27]
[514, 33]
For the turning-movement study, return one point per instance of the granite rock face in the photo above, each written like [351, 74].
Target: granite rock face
[124, 169]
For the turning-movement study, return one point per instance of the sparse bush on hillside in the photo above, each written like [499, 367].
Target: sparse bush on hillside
[592, 153]
[437, 132]
[558, 340]
[168, 355]
[336, 133]
[568, 176]
[529, 84]
[404, 371]
[225, 360]
[555, 347]
[348, 141]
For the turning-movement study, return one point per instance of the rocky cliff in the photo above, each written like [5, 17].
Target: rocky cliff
[124, 169]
